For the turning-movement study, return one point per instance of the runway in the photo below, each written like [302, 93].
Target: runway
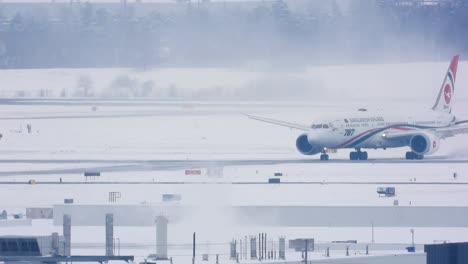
[121, 165]
[396, 183]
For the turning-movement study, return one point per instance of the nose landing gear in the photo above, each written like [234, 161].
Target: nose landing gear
[324, 155]
[358, 155]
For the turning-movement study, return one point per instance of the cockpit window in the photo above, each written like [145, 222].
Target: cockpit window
[319, 126]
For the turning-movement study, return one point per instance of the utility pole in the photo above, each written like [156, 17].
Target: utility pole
[259, 246]
[194, 243]
[412, 237]
[240, 248]
[306, 250]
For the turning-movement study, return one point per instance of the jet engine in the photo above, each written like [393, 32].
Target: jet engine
[424, 143]
[305, 148]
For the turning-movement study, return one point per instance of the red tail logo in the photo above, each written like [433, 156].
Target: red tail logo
[447, 90]
[447, 93]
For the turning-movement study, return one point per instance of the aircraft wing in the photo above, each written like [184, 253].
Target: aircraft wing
[443, 132]
[279, 122]
[451, 131]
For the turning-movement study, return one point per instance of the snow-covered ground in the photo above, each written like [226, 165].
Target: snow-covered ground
[314, 84]
[205, 131]
[180, 131]
[135, 136]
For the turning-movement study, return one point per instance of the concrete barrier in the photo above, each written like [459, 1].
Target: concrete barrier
[295, 216]
[15, 222]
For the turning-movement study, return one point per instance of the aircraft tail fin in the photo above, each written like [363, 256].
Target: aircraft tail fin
[445, 96]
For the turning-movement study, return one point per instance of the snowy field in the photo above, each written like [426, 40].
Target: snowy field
[135, 140]
[255, 81]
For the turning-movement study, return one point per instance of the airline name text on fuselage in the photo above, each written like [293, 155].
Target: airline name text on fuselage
[367, 119]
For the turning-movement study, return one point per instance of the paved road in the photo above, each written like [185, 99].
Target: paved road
[167, 165]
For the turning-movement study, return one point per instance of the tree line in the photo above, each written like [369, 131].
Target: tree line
[87, 35]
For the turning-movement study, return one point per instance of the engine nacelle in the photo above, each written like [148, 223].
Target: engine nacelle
[304, 147]
[424, 143]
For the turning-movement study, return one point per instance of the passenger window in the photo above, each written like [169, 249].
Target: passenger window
[318, 126]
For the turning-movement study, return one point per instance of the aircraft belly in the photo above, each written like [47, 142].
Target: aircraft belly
[379, 142]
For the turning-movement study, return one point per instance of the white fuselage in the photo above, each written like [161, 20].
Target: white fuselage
[365, 129]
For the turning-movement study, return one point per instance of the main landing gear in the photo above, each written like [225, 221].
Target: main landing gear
[358, 155]
[413, 156]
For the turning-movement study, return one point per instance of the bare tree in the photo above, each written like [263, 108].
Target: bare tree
[84, 86]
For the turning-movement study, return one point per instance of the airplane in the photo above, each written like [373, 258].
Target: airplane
[420, 130]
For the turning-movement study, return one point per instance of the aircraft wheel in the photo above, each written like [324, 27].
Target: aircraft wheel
[363, 155]
[409, 155]
[353, 155]
[324, 157]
